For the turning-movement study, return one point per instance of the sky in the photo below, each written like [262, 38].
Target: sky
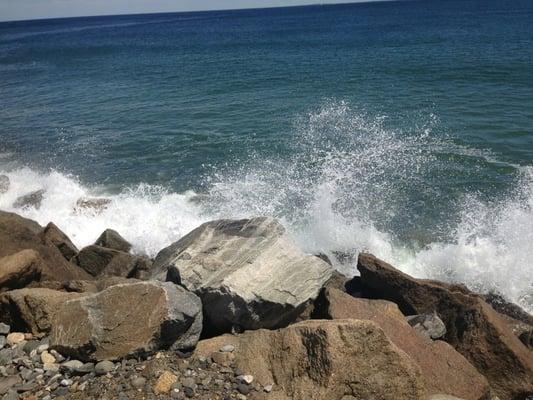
[34, 9]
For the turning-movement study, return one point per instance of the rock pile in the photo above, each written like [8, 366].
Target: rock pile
[234, 310]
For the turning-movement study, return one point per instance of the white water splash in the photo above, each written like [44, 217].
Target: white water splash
[350, 184]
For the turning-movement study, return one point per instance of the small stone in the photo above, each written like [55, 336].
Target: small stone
[4, 328]
[165, 382]
[30, 346]
[6, 355]
[268, 388]
[10, 395]
[61, 391]
[103, 367]
[240, 396]
[26, 373]
[227, 348]
[57, 356]
[66, 382]
[223, 359]
[15, 338]
[51, 368]
[72, 365]
[248, 379]
[123, 396]
[188, 392]
[2, 342]
[243, 388]
[176, 394]
[42, 347]
[47, 358]
[189, 383]
[138, 382]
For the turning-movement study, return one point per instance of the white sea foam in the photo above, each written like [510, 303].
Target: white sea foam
[351, 184]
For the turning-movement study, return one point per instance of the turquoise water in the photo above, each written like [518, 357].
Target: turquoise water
[402, 128]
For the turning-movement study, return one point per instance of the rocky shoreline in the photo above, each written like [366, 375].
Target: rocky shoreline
[234, 310]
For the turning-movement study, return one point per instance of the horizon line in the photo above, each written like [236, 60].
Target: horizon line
[199, 11]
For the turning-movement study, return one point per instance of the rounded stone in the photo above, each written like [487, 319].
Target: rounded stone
[104, 367]
[138, 382]
[47, 358]
[15, 338]
[229, 348]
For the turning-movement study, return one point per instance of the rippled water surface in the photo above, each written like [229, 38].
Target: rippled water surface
[401, 128]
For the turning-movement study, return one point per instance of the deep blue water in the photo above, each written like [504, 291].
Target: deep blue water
[404, 128]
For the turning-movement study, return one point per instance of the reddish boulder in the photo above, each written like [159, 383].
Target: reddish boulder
[18, 233]
[474, 328]
[444, 369]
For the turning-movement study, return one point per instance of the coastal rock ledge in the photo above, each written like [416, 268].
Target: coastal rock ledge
[248, 273]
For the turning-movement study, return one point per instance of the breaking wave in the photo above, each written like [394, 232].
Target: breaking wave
[345, 182]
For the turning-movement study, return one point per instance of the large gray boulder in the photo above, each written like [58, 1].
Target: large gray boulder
[248, 273]
[128, 319]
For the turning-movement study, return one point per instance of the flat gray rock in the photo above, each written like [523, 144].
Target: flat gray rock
[248, 273]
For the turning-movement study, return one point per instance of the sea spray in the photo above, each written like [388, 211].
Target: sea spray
[351, 182]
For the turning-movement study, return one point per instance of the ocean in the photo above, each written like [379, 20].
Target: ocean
[400, 128]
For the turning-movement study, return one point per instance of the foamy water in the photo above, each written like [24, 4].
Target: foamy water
[348, 186]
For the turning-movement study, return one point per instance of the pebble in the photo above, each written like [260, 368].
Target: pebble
[165, 382]
[42, 347]
[248, 379]
[227, 348]
[47, 358]
[103, 367]
[188, 392]
[51, 368]
[15, 338]
[189, 383]
[176, 394]
[138, 382]
[4, 328]
[2, 342]
[66, 382]
[243, 388]
[72, 365]
[223, 358]
[268, 388]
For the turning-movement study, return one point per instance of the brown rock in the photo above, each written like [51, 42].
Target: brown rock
[127, 319]
[474, 328]
[112, 240]
[101, 261]
[55, 237]
[17, 233]
[32, 309]
[19, 269]
[324, 360]
[164, 382]
[444, 369]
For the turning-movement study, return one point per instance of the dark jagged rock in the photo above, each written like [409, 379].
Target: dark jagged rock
[101, 261]
[55, 237]
[474, 328]
[33, 199]
[4, 184]
[112, 240]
